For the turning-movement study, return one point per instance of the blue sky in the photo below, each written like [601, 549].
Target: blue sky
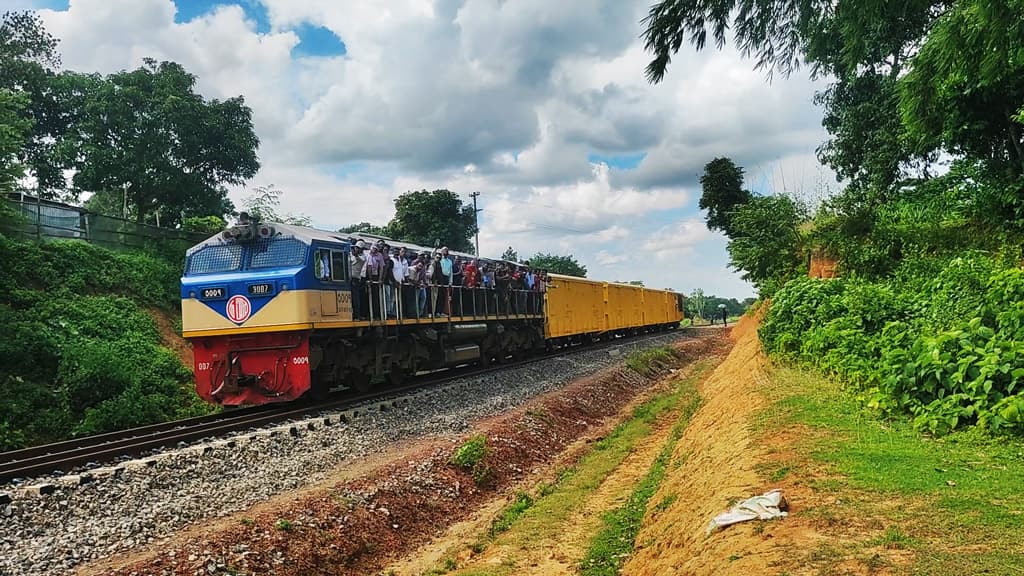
[541, 106]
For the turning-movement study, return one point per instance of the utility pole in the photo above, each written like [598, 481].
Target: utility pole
[476, 223]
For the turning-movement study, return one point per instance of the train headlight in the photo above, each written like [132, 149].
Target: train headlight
[283, 286]
[192, 294]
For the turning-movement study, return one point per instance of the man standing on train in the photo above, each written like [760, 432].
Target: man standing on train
[356, 270]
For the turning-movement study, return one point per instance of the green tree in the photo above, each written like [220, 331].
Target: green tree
[434, 218]
[510, 255]
[966, 85]
[205, 224]
[864, 44]
[14, 130]
[723, 193]
[263, 205]
[365, 227]
[145, 133]
[766, 246]
[558, 264]
[697, 303]
[28, 59]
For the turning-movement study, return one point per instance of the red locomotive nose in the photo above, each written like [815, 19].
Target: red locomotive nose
[252, 368]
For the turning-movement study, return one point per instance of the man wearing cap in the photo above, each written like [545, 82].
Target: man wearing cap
[356, 270]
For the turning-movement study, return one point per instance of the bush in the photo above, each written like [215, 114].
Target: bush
[80, 354]
[946, 349]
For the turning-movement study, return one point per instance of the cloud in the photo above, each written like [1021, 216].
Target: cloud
[508, 98]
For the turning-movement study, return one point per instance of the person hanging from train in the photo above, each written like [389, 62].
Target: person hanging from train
[458, 298]
[356, 272]
[438, 286]
[447, 264]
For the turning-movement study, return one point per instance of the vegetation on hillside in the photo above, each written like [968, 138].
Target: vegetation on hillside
[80, 354]
[925, 116]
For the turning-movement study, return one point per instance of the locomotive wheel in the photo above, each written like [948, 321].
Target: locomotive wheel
[358, 381]
[397, 376]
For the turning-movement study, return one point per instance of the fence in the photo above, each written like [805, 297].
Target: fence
[41, 219]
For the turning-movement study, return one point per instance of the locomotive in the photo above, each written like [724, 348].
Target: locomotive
[267, 308]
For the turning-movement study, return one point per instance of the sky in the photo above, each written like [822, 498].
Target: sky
[540, 106]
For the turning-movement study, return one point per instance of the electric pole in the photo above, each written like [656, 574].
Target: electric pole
[476, 223]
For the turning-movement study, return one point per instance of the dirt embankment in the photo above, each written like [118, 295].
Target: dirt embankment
[170, 336]
[714, 465]
[357, 526]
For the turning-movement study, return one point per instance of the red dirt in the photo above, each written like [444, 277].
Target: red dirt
[358, 526]
[171, 338]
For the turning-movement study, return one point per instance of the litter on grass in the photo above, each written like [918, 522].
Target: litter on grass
[767, 506]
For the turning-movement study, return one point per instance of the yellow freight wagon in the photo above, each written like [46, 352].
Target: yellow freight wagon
[581, 307]
[574, 306]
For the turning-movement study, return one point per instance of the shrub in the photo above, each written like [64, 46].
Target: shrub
[947, 349]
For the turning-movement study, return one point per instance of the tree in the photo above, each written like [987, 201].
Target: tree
[558, 264]
[28, 58]
[510, 255]
[723, 193]
[147, 135]
[966, 85]
[433, 218]
[365, 227]
[204, 224]
[696, 303]
[766, 245]
[263, 206]
[14, 130]
[863, 44]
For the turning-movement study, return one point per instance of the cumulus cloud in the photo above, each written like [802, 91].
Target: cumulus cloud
[509, 98]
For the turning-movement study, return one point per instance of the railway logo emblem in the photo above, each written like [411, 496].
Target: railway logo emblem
[238, 309]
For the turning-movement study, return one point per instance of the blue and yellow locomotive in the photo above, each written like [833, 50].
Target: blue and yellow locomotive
[268, 310]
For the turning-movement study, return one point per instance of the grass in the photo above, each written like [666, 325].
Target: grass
[533, 521]
[470, 457]
[952, 503]
[650, 361]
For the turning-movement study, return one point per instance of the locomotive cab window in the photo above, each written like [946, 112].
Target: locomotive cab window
[331, 265]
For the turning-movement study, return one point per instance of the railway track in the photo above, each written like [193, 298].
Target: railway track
[64, 457]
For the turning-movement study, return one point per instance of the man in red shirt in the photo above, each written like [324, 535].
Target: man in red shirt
[470, 279]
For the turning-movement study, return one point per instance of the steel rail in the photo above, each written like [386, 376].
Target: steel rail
[64, 457]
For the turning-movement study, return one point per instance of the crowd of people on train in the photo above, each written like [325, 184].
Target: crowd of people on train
[391, 282]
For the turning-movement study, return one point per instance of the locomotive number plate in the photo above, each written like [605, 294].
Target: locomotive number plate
[261, 289]
[212, 293]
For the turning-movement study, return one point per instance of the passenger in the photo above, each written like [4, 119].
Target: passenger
[399, 271]
[470, 280]
[528, 282]
[374, 264]
[439, 287]
[459, 296]
[420, 281]
[502, 283]
[515, 285]
[387, 279]
[356, 273]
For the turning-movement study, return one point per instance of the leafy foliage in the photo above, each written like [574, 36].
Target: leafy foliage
[14, 130]
[557, 264]
[947, 349]
[510, 255]
[766, 244]
[264, 203]
[80, 354]
[723, 193]
[434, 218]
[146, 133]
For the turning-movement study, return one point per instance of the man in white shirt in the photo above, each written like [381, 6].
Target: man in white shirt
[356, 273]
[398, 271]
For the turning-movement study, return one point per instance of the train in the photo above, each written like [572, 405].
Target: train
[267, 309]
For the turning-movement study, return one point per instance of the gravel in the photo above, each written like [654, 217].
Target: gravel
[145, 501]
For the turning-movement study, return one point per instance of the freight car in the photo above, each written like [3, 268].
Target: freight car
[267, 308]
